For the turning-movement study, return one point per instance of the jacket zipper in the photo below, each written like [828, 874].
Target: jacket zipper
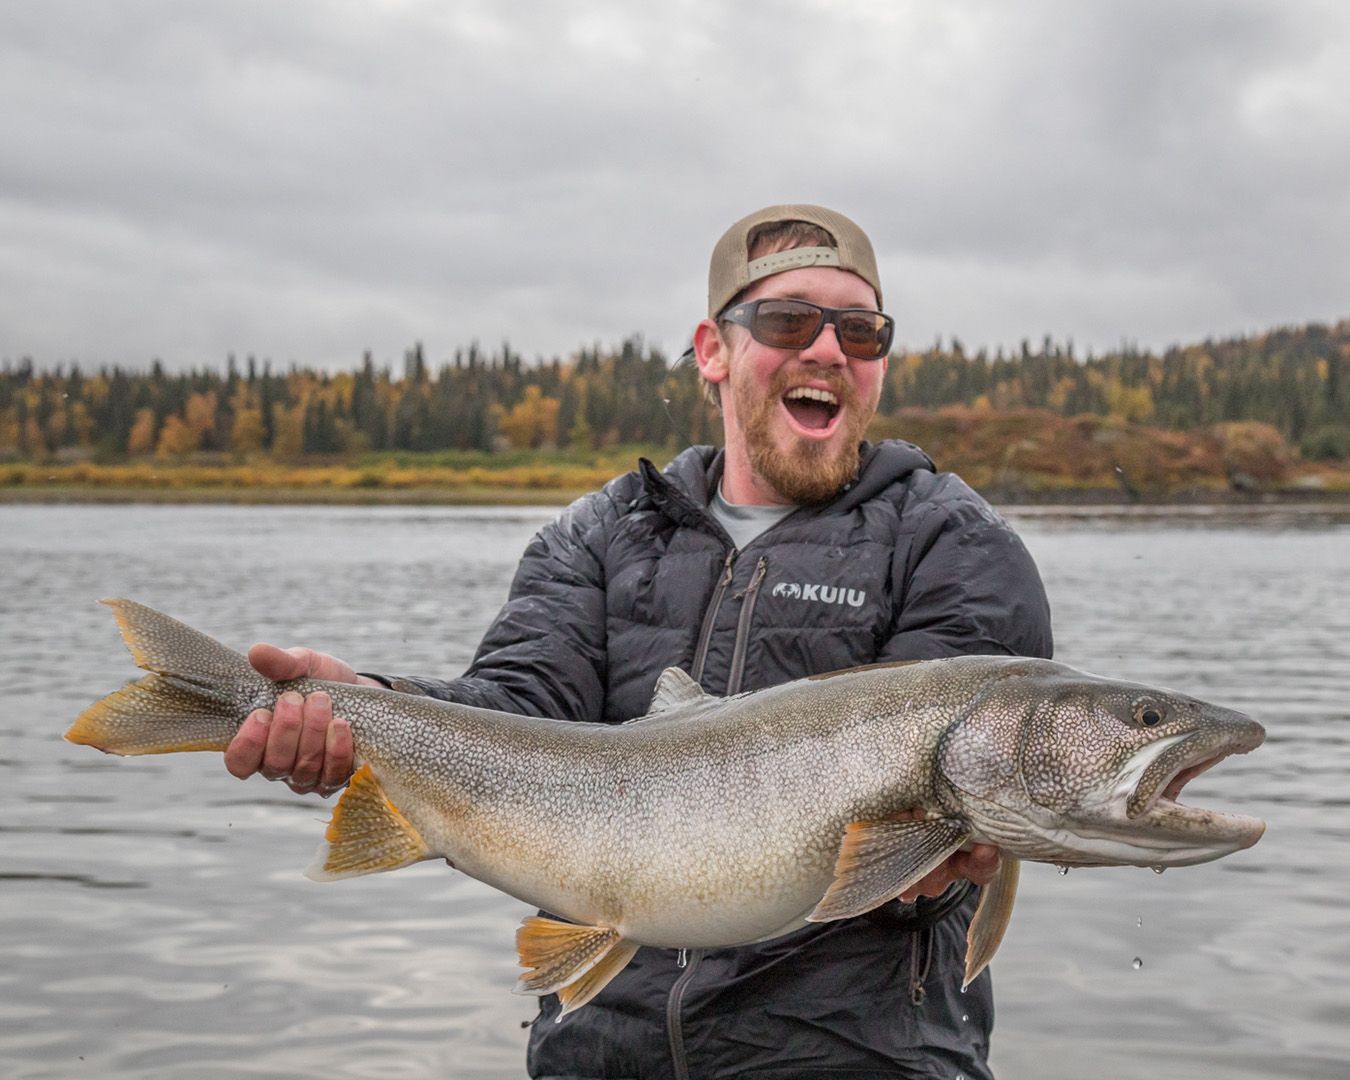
[674, 1025]
[710, 616]
[674, 1028]
[920, 959]
[675, 1002]
[743, 627]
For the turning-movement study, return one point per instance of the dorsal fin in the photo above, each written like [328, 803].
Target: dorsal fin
[673, 689]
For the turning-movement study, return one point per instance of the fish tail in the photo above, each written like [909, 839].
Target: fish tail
[197, 696]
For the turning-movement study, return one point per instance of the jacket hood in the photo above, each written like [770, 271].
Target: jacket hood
[883, 464]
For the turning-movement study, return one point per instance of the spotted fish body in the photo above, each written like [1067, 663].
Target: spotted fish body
[714, 822]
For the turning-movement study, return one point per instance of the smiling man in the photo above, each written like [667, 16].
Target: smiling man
[797, 549]
[797, 343]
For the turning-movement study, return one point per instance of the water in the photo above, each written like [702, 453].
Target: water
[154, 920]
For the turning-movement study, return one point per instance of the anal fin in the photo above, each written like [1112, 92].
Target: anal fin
[878, 860]
[575, 994]
[367, 834]
[571, 960]
[991, 918]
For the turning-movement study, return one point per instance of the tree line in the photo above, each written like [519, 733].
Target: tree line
[1296, 379]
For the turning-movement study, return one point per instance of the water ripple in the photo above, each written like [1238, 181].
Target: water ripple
[156, 922]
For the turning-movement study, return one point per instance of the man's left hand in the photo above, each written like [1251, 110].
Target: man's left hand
[975, 862]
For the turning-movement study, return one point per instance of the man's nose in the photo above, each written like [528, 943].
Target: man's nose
[825, 349]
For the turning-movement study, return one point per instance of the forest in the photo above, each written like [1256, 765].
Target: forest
[1285, 393]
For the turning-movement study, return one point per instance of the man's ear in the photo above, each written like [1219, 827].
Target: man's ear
[711, 352]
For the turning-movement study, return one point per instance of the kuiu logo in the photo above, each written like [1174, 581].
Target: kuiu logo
[825, 594]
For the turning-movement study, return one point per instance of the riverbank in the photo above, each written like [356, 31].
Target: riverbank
[1013, 459]
[58, 490]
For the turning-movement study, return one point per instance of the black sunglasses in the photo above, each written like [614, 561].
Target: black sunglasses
[794, 324]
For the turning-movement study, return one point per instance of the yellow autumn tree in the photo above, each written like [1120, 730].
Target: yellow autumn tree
[199, 414]
[82, 422]
[288, 430]
[175, 438]
[247, 433]
[532, 422]
[1133, 403]
[141, 438]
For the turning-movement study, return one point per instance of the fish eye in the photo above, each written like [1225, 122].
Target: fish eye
[1146, 714]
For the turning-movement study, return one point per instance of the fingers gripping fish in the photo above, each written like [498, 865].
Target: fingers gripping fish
[714, 822]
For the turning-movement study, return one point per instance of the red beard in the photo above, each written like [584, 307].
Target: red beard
[810, 473]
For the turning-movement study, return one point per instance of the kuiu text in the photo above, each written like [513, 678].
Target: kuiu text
[826, 594]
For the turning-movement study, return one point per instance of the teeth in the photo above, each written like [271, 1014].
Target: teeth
[810, 393]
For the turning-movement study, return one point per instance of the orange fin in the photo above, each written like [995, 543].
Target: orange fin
[166, 646]
[199, 695]
[154, 715]
[575, 994]
[573, 961]
[992, 915]
[878, 860]
[368, 834]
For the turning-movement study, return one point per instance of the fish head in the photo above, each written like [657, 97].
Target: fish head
[1060, 766]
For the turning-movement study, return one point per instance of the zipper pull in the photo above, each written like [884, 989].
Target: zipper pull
[761, 568]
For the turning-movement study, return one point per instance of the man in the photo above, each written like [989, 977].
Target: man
[798, 549]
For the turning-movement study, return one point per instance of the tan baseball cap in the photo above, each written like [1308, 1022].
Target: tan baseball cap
[732, 270]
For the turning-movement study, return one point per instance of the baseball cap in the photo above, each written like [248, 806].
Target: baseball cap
[732, 269]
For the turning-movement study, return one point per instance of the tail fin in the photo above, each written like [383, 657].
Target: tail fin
[196, 699]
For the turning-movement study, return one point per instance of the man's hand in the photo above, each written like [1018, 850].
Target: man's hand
[974, 862]
[300, 741]
[978, 863]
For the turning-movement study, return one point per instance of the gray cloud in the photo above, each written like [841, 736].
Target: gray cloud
[307, 180]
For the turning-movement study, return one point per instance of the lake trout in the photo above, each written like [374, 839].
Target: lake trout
[714, 822]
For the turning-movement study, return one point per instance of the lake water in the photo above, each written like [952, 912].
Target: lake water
[154, 920]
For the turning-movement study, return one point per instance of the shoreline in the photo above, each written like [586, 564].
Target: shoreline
[1086, 501]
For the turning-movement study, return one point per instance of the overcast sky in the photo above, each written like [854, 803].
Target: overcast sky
[306, 180]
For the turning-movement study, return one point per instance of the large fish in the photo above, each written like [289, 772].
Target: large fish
[713, 821]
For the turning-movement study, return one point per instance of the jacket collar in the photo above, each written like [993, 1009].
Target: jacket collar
[683, 488]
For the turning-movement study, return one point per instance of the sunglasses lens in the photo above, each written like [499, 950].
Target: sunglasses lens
[786, 324]
[864, 334]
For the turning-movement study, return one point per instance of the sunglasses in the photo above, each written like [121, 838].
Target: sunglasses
[794, 324]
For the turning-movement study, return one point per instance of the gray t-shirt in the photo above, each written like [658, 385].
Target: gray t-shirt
[744, 523]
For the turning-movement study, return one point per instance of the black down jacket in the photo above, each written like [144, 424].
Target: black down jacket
[906, 563]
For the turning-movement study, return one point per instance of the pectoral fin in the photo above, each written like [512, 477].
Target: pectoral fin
[878, 860]
[575, 962]
[368, 834]
[991, 919]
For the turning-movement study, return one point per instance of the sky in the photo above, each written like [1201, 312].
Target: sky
[305, 181]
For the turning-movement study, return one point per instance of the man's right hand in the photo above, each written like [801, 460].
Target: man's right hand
[300, 741]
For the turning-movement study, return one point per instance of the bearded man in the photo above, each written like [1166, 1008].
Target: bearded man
[797, 549]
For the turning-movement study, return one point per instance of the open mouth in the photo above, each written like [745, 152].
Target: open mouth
[1163, 807]
[812, 409]
[1172, 790]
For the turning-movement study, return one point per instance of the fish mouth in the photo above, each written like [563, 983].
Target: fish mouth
[1156, 799]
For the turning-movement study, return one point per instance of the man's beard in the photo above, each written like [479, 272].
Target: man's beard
[810, 473]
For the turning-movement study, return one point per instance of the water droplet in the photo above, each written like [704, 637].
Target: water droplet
[1158, 869]
[965, 1017]
[1136, 963]
[963, 989]
[1063, 870]
[683, 959]
[1139, 921]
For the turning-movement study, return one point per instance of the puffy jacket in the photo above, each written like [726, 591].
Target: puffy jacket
[906, 563]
